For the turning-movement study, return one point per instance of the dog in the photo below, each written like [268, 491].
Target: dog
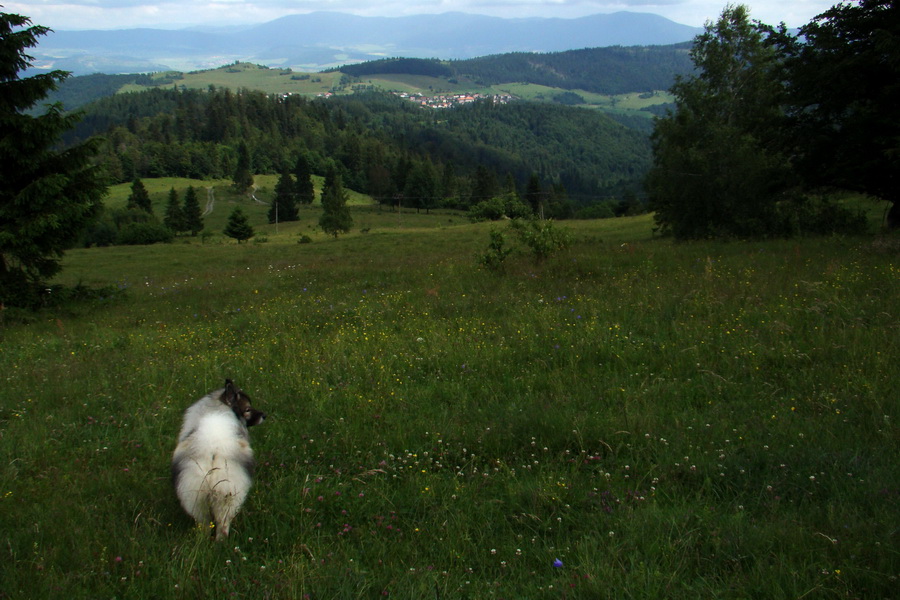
[213, 464]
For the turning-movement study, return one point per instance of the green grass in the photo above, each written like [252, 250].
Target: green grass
[696, 420]
[249, 76]
[255, 206]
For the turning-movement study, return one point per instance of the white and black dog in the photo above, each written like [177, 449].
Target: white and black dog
[212, 466]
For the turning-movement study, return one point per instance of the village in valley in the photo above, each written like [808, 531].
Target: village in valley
[440, 100]
[451, 100]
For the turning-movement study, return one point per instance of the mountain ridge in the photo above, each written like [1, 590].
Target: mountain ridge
[320, 40]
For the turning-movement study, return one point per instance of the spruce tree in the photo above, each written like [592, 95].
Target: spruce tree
[238, 226]
[284, 204]
[335, 217]
[48, 195]
[174, 217]
[243, 177]
[534, 195]
[304, 186]
[139, 197]
[191, 213]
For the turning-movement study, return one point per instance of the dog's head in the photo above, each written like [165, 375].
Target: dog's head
[239, 402]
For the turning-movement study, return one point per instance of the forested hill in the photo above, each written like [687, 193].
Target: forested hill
[376, 140]
[612, 70]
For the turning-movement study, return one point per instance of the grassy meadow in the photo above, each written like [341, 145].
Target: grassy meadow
[630, 418]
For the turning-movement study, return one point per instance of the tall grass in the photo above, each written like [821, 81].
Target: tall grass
[655, 419]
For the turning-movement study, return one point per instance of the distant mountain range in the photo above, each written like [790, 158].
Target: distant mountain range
[320, 40]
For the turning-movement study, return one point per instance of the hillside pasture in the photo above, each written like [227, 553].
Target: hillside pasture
[220, 199]
[250, 76]
[630, 418]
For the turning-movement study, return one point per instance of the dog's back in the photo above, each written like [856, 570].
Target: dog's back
[212, 466]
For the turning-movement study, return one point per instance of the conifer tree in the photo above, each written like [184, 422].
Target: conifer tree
[534, 195]
[139, 198]
[48, 196]
[336, 216]
[304, 186]
[448, 182]
[243, 178]
[174, 217]
[484, 184]
[284, 204]
[238, 226]
[191, 213]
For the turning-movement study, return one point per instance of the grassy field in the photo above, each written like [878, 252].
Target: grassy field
[249, 76]
[219, 197]
[631, 418]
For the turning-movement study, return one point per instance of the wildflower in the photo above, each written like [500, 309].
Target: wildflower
[557, 563]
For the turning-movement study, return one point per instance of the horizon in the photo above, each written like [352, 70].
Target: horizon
[87, 15]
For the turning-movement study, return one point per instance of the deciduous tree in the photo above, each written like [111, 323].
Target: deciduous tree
[843, 99]
[717, 169]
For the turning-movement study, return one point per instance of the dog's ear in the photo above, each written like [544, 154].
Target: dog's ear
[230, 395]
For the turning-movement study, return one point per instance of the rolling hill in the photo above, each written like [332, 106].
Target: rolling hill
[325, 39]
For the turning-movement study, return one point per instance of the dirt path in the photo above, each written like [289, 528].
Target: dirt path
[210, 201]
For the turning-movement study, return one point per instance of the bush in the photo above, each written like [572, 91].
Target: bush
[101, 233]
[499, 208]
[497, 252]
[487, 210]
[818, 215]
[541, 237]
[601, 210]
[135, 234]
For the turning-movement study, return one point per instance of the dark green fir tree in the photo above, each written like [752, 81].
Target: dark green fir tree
[174, 217]
[191, 213]
[238, 226]
[139, 198]
[284, 204]
[336, 218]
[243, 177]
[304, 186]
[48, 196]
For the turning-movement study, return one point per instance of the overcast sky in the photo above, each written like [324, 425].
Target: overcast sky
[116, 14]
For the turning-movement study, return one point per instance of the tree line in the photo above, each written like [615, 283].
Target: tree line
[379, 144]
[611, 70]
[774, 127]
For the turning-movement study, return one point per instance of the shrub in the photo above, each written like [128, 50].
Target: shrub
[135, 234]
[497, 252]
[541, 237]
[818, 215]
[499, 208]
[488, 210]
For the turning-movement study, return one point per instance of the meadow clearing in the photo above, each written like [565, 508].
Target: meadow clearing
[630, 418]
